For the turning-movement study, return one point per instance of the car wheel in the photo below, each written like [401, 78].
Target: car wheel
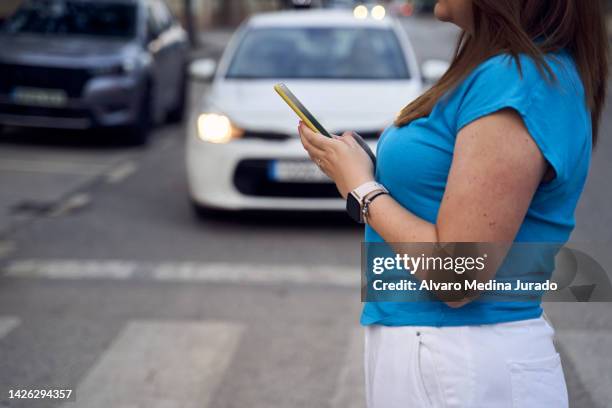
[138, 133]
[204, 213]
[177, 112]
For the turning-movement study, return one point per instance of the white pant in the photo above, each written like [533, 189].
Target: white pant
[505, 365]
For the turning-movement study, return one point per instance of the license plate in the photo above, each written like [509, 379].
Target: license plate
[40, 97]
[296, 171]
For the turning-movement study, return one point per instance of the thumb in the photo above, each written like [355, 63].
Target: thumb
[347, 137]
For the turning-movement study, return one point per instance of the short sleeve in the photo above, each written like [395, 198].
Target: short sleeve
[550, 108]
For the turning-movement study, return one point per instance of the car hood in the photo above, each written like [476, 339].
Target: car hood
[338, 105]
[61, 50]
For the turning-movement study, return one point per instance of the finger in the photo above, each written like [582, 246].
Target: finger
[347, 137]
[316, 139]
[311, 148]
[315, 159]
[323, 166]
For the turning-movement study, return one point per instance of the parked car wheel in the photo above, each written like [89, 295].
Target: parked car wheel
[202, 212]
[138, 133]
[177, 112]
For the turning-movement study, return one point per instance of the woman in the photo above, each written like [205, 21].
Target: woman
[497, 151]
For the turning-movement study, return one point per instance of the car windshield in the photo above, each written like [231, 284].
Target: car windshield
[319, 53]
[102, 19]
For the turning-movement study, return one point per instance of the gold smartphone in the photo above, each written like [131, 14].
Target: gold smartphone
[310, 121]
[300, 110]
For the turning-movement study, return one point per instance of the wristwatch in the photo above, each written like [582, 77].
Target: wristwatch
[356, 202]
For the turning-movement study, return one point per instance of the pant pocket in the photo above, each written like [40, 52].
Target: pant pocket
[538, 383]
[427, 376]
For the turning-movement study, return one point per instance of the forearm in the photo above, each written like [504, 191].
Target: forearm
[398, 227]
[394, 223]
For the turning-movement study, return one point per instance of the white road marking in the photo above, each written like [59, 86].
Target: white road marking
[66, 269]
[184, 271]
[6, 248]
[157, 364]
[351, 381]
[7, 324]
[121, 172]
[53, 167]
[73, 203]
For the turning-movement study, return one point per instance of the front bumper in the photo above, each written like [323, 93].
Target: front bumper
[233, 176]
[104, 102]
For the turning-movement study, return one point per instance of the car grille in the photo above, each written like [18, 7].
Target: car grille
[251, 179]
[65, 113]
[252, 134]
[71, 80]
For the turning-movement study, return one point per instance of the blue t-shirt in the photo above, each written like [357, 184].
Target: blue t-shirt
[414, 162]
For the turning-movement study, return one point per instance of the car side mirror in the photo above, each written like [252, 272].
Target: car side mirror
[202, 69]
[433, 70]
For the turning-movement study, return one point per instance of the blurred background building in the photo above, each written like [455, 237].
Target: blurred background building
[216, 13]
[219, 13]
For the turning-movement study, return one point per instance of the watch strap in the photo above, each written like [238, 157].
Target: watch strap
[363, 190]
[368, 201]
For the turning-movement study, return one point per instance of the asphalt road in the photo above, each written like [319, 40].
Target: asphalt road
[112, 287]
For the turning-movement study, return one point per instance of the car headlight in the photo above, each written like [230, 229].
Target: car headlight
[360, 11]
[129, 65]
[125, 67]
[215, 128]
[378, 12]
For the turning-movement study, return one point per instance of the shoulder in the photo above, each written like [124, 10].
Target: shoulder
[505, 73]
[519, 82]
[553, 108]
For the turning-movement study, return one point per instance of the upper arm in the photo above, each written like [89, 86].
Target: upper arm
[496, 169]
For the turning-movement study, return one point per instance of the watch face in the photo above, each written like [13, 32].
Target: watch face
[353, 208]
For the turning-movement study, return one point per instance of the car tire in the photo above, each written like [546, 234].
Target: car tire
[138, 133]
[201, 212]
[177, 112]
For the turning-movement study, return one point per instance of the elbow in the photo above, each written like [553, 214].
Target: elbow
[458, 304]
[436, 233]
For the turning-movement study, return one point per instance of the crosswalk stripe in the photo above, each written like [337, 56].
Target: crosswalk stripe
[350, 386]
[121, 172]
[6, 248]
[7, 324]
[184, 271]
[52, 167]
[158, 364]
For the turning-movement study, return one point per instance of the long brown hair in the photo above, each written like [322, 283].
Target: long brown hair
[511, 26]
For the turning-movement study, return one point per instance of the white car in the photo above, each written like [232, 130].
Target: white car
[243, 149]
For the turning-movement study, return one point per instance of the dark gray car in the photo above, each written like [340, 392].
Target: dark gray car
[80, 64]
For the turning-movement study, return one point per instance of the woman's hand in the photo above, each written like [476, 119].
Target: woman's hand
[341, 158]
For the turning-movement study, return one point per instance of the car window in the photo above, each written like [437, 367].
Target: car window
[319, 52]
[68, 17]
